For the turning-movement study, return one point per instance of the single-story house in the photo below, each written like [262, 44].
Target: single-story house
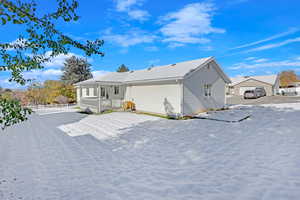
[239, 85]
[177, 89]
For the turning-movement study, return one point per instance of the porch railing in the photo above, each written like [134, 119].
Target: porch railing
[104, 104]
[91, 103]
[107, 104]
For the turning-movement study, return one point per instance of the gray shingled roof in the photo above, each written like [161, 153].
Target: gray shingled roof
[270, 79]
[166, 72]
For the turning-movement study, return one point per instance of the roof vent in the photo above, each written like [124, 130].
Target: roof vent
[246, 76]
[131, 71]
[149, 68]
[173, 64]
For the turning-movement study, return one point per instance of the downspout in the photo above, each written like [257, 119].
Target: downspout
[225, 99]
[182, 97]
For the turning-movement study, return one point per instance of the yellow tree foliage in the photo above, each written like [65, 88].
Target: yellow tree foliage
[36, 95]
[287, 78]
[48, 92]
[69, 91]
[52, 90]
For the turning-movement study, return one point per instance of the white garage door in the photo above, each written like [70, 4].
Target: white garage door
[243, 89]
[155, 98]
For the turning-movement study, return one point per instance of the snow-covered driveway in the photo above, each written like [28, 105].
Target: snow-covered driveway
[258, 158]
[106, 126]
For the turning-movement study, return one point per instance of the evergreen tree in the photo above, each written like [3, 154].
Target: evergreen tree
[123, 68]
[76, 70]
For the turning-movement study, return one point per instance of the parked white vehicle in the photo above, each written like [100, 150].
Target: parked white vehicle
[292, 91]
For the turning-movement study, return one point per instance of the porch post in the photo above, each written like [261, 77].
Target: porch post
[79, 93]
[99, 98]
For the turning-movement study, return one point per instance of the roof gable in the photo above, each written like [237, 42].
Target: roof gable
[269, 79]
[217, 68]
[166, 72]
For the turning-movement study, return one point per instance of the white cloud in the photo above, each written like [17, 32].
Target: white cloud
[134, 13]
[284, 63]
[175, 45]
[250, 58]
[260, 60]
[124, 5]
[4, 83]
[128, 39]
[138, 14]
[269, 72]
[298, 58]
[289, 32]
[39, 75]
[189, 25]
[207, 48]
[42, 74]
[16, 44]
[53, 74]
[59, 60]
[274, 45]
[99, 73]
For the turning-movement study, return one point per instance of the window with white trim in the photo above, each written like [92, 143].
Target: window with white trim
[102, 92]
[207, 90]
[87, 92]
[116, 90]
[91, 92]
[95, 91]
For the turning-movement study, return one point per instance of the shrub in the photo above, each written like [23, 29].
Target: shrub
[61, 99]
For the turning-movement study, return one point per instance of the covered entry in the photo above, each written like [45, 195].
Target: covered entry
[100, 97]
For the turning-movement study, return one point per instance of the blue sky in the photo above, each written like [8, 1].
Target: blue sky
[247, 37]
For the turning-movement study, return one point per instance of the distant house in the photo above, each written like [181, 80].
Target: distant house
[177, 89]
[291, 89]
[239, 85]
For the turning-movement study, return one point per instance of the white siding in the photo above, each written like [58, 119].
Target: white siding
[163, 98]
[78, 94]
[194, 99]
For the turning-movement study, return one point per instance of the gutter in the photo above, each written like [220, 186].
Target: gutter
[132, 82]
[154, 80]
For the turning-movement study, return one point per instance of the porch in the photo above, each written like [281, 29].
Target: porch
[99, 97]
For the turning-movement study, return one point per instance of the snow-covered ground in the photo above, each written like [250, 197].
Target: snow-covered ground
[284, 106]
[105, 126]
[54, 110]
[258, 158]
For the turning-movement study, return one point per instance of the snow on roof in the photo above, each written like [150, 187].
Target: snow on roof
[166, 72]
[270, 79]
